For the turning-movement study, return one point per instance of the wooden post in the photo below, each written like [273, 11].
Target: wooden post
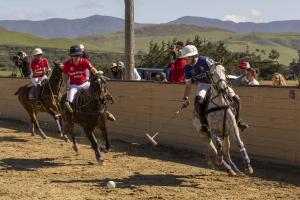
[129, 39]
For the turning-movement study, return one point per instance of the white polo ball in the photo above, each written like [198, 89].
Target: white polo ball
[111, 184]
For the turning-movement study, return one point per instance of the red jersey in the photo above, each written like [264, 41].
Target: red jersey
[77, 73]
[38, 67]
[177, 73]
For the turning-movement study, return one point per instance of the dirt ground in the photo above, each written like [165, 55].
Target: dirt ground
[33, 168]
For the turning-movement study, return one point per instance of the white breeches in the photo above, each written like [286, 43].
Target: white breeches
[38, 80]
[74, 88]
[202, 89]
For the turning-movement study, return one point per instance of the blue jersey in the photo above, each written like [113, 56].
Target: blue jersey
[197, 72]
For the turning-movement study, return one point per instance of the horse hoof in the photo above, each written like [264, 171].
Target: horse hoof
[75, 148]
[249, 170]
[44, 137]
[231, 173]
[104, 149]
[66, 139]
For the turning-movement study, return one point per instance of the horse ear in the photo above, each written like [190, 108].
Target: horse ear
[221, 61]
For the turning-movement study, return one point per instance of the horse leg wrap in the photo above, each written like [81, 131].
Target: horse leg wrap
[58, 126]
[245, 156]
[234, 167]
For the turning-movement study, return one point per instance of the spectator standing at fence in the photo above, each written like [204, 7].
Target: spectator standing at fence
[82, 47]
[39, 70]
[136, 75]
[22, 62]
[242, 80]
[116, 71]
[172, 58]
[278, 80]
[252, 76]
[177, 74]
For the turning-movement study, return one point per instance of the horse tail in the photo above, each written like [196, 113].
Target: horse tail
[17, 92]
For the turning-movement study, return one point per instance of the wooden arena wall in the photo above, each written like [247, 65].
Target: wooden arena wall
[146, 107]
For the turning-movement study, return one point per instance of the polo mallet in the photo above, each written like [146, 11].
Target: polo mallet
[151, 138]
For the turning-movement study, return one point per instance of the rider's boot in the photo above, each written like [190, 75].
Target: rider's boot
[241, 124]
[38, 97]
[200, 107]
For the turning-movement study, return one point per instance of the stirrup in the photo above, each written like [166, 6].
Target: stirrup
[67, 104]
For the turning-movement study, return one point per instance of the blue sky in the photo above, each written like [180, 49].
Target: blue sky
[154, 11]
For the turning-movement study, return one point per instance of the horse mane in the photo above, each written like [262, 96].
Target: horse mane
[87, 96]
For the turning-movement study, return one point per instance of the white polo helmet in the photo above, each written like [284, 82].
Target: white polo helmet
[189, 50]
[37, 51]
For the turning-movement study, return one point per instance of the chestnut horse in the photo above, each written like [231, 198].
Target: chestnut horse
[50, 100]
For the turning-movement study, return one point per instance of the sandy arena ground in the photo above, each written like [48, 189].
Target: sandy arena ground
[33, 168]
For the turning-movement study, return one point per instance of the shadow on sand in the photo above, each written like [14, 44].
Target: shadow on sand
[138, 179]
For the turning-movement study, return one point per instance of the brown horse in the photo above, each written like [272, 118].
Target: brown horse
[50, 100]
[89, 111]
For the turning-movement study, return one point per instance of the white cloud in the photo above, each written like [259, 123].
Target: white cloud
[256, 13]
[255, 16]
[235, 18]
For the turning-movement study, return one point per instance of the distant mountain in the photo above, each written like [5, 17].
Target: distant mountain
[65, 28]
[99, 25]
[242, 27]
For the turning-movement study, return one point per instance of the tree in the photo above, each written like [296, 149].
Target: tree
[274, 54]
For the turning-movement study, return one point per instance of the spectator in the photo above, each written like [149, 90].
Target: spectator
[252, 76]
[22, 62]
[116, 71]
[170, 67]
[241, 80]
[278, 80]
[136, 75]
[82, 47]
[177, 74]
[179, 46]
[161, 77]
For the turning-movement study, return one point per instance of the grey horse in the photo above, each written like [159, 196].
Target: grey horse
[222, 122]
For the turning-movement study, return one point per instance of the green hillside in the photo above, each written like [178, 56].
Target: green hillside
[23, 39]
[286, 43]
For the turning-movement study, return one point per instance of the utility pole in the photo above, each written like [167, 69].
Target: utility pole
[129, 39]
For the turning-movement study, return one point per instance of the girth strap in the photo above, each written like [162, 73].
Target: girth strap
[225, 108]
[217, 109]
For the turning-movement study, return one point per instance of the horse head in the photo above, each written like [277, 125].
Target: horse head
[218, 77]
[57, 70]
[99, 85]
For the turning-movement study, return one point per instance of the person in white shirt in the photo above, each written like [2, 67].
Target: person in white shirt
[252, 76]
[136, 75]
